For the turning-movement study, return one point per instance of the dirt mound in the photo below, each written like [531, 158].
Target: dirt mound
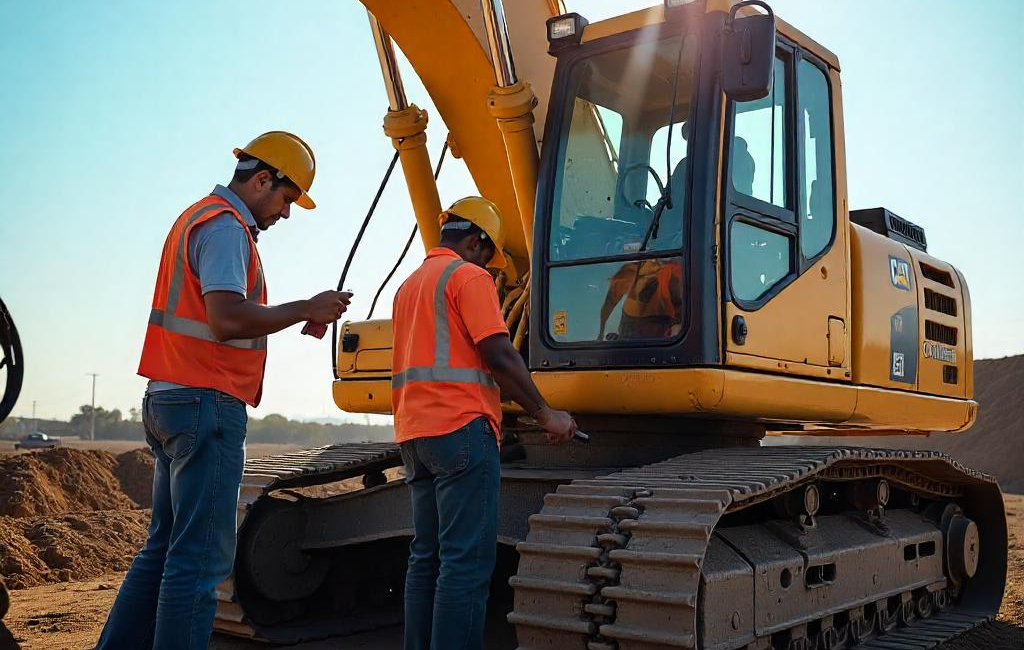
[36, 551]
[993, 445]
[134, 471]
[57, 481]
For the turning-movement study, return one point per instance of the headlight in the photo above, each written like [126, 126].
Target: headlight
[564, 31]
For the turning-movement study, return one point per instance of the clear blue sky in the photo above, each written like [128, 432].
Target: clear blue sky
[115, 115]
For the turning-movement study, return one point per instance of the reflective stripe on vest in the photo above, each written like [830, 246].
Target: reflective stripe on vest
[200, 330]
[442, 371]
[166, 319]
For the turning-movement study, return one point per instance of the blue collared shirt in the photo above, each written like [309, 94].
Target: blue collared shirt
[218, 249]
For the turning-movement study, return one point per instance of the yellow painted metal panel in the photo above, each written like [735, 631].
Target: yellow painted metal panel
[373, 360]
[837, 342]
[931, 363]
[876, 301]
[785, 367]
[793, 326]
[364, 396]
[717, 393]
[912, 412]
[373, 335]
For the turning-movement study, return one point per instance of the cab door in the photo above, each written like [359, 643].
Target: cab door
[785, 265]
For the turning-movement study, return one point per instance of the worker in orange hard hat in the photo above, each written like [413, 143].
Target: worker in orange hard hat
[452, 356]
[204, 354]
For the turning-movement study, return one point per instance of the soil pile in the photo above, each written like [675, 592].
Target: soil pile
[41, 550]
[71, 514]
[995, 444]
[134, 472]
[57, 481]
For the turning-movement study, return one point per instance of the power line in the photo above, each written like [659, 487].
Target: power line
[92, 414]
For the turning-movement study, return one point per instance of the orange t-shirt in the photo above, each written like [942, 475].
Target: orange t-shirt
[427, 401]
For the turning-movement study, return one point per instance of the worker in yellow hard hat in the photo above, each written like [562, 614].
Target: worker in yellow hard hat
[204, 355]
[290, 167]
[451, 362]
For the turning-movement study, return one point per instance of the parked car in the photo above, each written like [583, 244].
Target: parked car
[37, 441]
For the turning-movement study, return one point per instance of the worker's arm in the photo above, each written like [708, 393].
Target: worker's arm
[219, 253]
[231, 316]
[477, 304]
[513, 377]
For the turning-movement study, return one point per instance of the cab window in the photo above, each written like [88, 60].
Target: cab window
[615, 255]
[817, 218]
[782, 203]
[760, 133]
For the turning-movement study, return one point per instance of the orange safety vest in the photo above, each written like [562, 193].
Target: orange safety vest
[179, 346]
[650, 289]
[439, 381]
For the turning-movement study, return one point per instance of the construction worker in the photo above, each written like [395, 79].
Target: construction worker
[653, 290]
[452, 354]
[204, 354]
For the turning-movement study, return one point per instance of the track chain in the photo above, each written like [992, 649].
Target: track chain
[614, 563]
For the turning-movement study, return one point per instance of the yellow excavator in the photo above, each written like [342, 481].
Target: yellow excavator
[686, 278]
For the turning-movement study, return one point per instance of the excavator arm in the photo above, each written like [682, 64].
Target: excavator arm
[449, 46]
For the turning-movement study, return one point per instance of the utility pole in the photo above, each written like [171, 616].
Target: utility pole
[92, 415]
[35, 424]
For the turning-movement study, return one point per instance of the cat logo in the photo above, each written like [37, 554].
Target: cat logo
[899, 273]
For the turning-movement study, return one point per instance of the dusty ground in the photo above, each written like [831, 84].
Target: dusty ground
[69, 616]
[120, 446]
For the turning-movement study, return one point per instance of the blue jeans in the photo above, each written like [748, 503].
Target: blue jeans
[454, 481]
[167, 599]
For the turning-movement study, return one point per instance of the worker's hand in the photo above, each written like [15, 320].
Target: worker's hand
[559, 425]
[328, 306]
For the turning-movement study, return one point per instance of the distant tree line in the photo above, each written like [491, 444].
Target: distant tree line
[113, 425]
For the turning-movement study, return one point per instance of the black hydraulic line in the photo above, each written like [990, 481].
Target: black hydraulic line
[408, 243]
[10, 359]
[352, 254]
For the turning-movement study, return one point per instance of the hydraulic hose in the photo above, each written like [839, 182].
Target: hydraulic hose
[352, 254]
[408, 243]
[359, 239]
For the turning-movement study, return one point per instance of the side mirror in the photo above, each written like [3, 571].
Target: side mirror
[748, 53]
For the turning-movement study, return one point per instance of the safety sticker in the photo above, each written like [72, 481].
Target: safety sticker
[559, 323]
[899, 273]
[903, 346]
[898, 365]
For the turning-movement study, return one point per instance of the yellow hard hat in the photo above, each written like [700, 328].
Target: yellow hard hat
[484, 215]
[290, 156]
